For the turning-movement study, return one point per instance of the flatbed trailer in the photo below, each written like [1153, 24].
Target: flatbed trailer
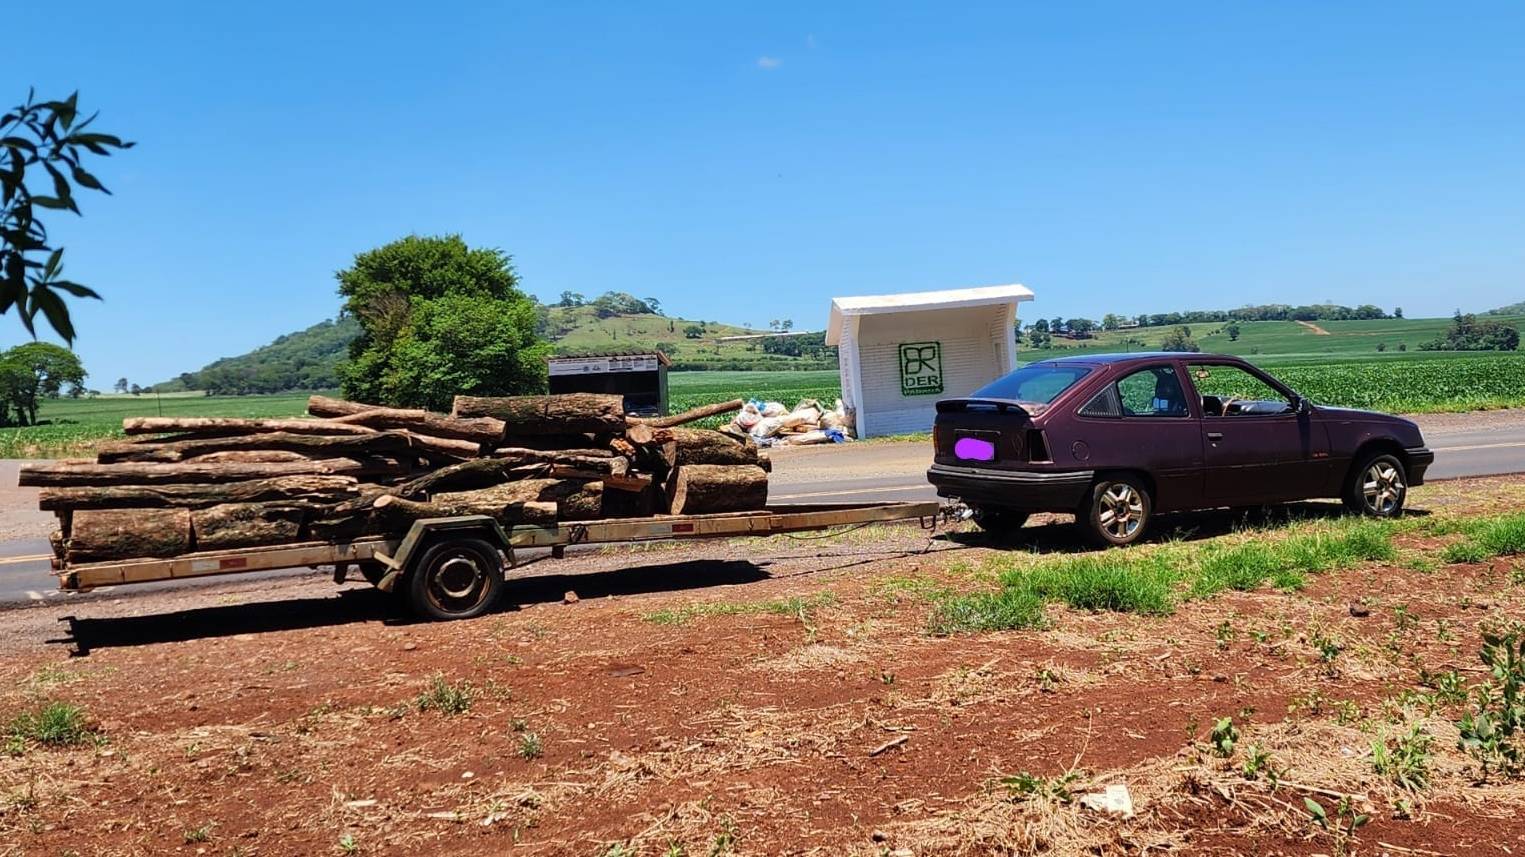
[454, 568]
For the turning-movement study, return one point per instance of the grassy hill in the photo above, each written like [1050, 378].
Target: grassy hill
[1280, 341]
[305, 360]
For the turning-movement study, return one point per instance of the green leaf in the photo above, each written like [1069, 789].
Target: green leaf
[53, 308]
[50, 202]
[75, 289]
[1316, 810]
[84, 179]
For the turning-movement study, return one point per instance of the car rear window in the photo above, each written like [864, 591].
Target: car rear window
[1036, 383]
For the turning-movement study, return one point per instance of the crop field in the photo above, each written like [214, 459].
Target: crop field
[73, 426]
[1289, 682]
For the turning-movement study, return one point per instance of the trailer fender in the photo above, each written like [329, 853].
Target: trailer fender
[426, 531]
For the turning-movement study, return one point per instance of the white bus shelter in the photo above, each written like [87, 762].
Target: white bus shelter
[899, 354]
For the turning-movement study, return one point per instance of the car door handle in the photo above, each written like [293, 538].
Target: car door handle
[1215, 436]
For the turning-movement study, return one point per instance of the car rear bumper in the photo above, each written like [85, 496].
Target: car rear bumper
[1030, 490]
[1419, 459]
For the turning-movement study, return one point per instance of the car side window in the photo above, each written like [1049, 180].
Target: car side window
[1230, 391]
[1152, 392]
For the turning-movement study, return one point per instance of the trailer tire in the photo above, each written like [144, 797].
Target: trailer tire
[455, 578]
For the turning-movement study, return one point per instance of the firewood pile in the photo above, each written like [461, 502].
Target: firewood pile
[186, 484]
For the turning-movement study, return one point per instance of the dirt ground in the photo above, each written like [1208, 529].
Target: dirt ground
[777, 696]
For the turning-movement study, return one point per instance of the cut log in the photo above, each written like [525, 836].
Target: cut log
[630, 504]
[88, 473]
[765, 461]
[249, 455]
[313, 446]
[554, 442]
[569, 413]
[703, 446]
[477, 429]
[507, 507]
[57, 543]
[528, 454]
[710, 488]
[690, 415]
[241, 525]
[584, 504]
[214, 426]
[469, 475]
[102, 534]
[314, 490]
[634, 482]
[347, 528]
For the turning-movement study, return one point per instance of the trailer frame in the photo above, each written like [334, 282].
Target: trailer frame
[387, 560]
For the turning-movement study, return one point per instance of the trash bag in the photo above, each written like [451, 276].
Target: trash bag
[748, 417]
[773, 409]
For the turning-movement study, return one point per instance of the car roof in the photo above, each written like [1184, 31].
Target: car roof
[1133, 356]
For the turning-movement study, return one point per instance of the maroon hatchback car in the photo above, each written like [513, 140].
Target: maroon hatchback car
[1116, 438]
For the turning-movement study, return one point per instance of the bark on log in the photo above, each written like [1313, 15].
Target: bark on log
[240, 525]
[57, 543]
[88, 473]
[585, 504]
[709, 488]
[703, 446]
[468, 475]
[631, 482]
[215, 426]
[690, 415]
[102, 534]
[250, 455]
[313, 490]
[569, 413]
[554, 442]
[313, 446]
[503, 506]
[527, 454]
[477, 430]
[348, 527]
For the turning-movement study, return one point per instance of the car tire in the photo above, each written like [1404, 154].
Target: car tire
[998, 520]
[1376, 487]
[1116, 512]
[456, 578]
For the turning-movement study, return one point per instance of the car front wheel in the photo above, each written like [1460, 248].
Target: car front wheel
[1117, 511]
[1377, 487]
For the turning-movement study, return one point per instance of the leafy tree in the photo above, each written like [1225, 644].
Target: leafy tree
[1468, 333]
[1080, 327]
[1232, 330]
[1039, 337]
[1041, 325]
[136, 390]
[35, 371]
[46, 135]
[1397, 312]
[438, 318]
[654, 304]
[610, 304]
[693, 331]
[1180, 340]
[120, 386]
[787, 324]
[1110, 321]
[571, 299]
[1056, 325]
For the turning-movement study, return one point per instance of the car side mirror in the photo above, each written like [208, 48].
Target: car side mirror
[1301, 406]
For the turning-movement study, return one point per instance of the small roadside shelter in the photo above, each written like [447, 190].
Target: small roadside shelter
[900, 353]
[641, 377]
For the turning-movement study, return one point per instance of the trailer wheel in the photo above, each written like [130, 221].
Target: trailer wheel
[456, 579]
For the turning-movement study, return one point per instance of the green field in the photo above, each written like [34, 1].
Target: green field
[1283, 340]
[73, 426]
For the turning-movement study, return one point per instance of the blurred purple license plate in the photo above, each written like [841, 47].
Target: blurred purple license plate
[974, 449]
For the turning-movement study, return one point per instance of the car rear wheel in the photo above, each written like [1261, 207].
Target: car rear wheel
[1377, 487]
[999, 520]
[1117, 511]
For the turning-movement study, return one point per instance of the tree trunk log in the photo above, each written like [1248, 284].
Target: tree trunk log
[508, 508]
[703, 446]
[250, 455]
[554, 442]
[66, 474]
[315, 490]
[469, 475]
[241, 525]
[313, 446]
[630, 504]
[570, 413]
[689, 416]
[709, 488]
[477, 430]
[216, 426]
[584, 504]
[102, 534]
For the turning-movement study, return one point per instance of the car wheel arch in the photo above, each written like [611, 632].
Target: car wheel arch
[1143, 476]
[1377, 446]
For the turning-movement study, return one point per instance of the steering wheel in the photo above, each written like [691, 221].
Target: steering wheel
[1228, 402]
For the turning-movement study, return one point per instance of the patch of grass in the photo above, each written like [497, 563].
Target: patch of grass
[1499, 536]
[1003, 610]
[1405, 759]
[796, 606]
[1286, 562]
[57, 724]
[446, 698]
[1124, 580]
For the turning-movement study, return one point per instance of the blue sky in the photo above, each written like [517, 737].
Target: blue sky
[744, 162]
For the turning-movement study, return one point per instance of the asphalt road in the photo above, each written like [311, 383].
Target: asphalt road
[859, 473]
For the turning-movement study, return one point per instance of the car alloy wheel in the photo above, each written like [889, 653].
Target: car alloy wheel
[1382, 487]
[1121, 511]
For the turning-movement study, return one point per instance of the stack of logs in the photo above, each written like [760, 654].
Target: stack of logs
[352, 470]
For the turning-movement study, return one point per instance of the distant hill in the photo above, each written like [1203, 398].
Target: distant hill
[309, 359]
[305, 360]
[1512, 309]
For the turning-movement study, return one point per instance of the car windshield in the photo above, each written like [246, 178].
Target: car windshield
[1039, 383]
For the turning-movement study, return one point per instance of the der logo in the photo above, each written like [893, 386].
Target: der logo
[921, 368]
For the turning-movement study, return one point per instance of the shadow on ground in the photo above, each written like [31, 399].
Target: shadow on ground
[1063, 537]
[365, 604]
